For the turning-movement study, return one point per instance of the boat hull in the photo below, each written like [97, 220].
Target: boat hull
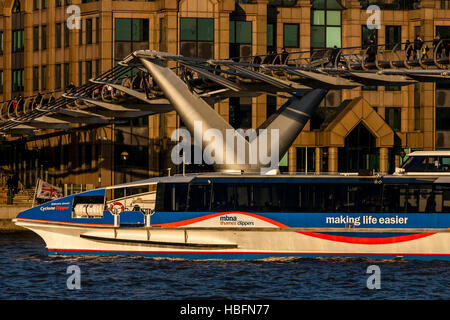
[239, 243]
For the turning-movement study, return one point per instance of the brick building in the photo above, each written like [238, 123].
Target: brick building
[365, 128]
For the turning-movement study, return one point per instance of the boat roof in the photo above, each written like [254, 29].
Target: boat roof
[442, 153]
[284, 178]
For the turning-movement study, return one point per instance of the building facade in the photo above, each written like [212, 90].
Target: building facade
[363, 128]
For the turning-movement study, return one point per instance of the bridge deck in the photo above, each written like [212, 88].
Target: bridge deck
[128, 90]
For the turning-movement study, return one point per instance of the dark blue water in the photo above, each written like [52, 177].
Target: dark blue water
[26, 272]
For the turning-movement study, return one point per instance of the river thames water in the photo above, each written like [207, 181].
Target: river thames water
[27, 272]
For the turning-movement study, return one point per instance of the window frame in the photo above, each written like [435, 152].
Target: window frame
[325, 27]
[297, 44]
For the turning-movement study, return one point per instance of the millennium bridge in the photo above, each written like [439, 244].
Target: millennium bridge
[150, 82]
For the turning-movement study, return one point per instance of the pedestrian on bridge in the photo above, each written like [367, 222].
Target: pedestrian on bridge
[437, 46]
[408, 49]
[418, 44]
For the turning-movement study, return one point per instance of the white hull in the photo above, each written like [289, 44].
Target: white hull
[231, 243]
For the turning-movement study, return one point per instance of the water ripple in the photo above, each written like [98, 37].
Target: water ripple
[27, 272]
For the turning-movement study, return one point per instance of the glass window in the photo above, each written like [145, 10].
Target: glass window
[326, 23]
[291, 35]
[36, 38]
[80, 33]
[392, 88]
[317, 37]
[18, 40]
[88, 66]
[16, 7]
[394, 198]
[58, 76]
[232, 31]
[333, 18]
[393, 36]
[443, 31]
[17, 80]
[196, 29]
[139, 30]
[199, 197]
[442, 118]
[130, 35]
[35, 78]
[270, 35]
[243, 32]
[417, 118]
[97, 30]
[240, 38]
[333, 4]
[268, 197]
[197, 36]
[66, 75]
[66, 35]
[305, 158]
[318, 17]
[367, 35]
[97, 67]
[43, 37]
[426, 164]
[58, 35]
[88, 31]
[243, 196]
[442, 196]
[421, 199]
[188, 29]
[44, 77]
[271, 105]
[206, 29]
[333, 37]
[1, 42]
[171, 197]
[223, 197]
[1, 81]
[393, 118]
[318, 4]
[80, 73]
[240, 113]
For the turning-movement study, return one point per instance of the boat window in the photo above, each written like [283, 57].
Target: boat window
[199, 197]
[307, 197]
[394, 198]
[223, 197]
[88, 207]
[291, 195]
[171, 197]
[368, 197]
[442, 197]
[421, 199]
[133, 198]
[427, 164]
[266, 197]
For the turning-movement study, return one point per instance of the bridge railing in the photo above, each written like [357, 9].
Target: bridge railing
[373, 56]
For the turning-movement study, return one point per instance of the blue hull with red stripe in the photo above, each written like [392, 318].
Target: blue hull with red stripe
[88, 224]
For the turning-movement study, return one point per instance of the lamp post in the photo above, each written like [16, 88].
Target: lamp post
[124, 157]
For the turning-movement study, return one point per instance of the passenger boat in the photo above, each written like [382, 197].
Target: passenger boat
[253, 216]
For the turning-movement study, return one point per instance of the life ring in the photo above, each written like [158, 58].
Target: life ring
[111, 207]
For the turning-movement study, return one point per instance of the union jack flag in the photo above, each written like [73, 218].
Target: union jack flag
[47, 191]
